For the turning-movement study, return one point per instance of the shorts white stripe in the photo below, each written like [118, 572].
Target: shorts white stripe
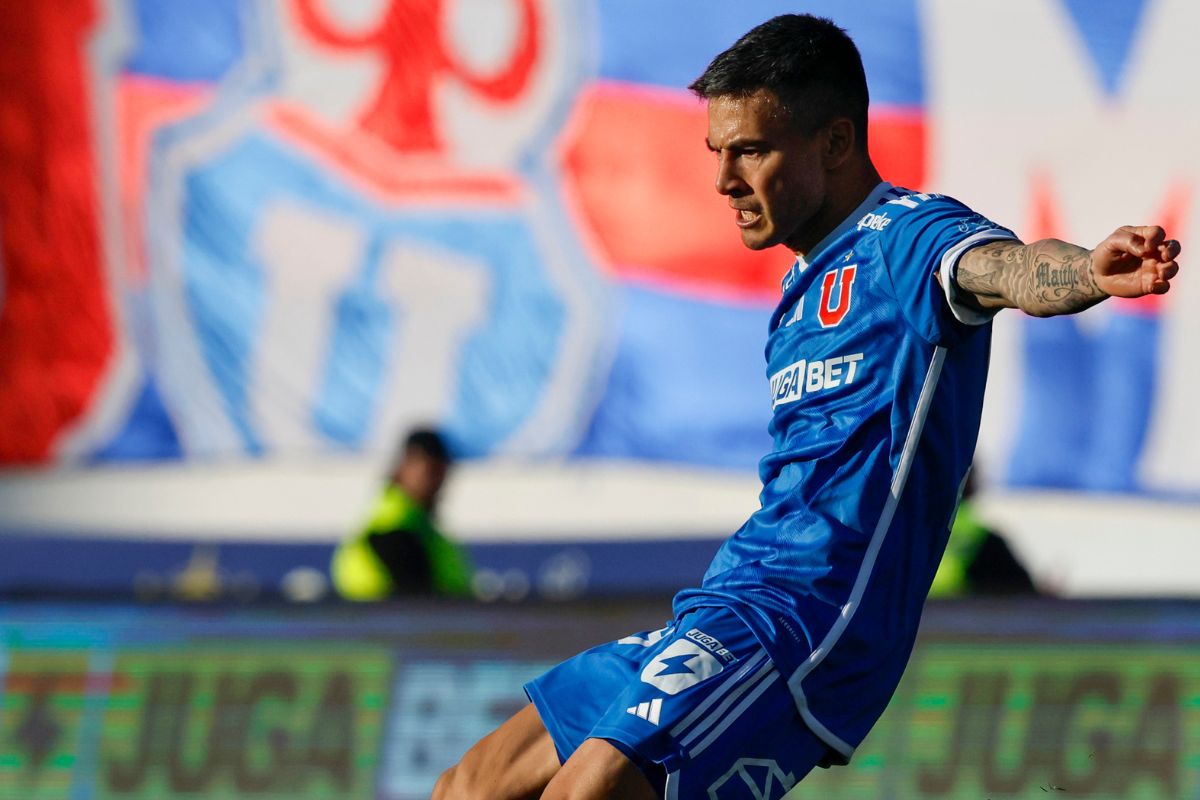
[719, 712]
[719, 692]
[763, 685]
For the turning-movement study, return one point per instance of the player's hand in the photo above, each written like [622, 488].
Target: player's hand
[1135, 261]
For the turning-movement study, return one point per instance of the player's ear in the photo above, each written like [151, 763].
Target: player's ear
[839, 142]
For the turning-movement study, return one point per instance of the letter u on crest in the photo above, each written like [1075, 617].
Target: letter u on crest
[829, 313]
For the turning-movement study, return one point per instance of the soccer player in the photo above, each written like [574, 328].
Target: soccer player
[790, 649]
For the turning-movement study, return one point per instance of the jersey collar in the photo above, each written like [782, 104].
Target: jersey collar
[873, 199]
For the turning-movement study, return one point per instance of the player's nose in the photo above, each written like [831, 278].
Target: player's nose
[729, 182]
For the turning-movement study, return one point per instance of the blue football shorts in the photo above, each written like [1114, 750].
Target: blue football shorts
[697, 705]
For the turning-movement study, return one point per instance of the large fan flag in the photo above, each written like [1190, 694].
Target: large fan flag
[237, 229]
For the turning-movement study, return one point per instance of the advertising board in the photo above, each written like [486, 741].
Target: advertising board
[1000, 701]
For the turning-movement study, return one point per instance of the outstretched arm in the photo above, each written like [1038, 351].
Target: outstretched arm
[1050, 277]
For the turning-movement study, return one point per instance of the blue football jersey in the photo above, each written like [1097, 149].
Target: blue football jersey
[876, 376]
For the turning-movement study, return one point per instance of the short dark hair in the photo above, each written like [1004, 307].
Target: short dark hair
[808, 62]
[429, 442]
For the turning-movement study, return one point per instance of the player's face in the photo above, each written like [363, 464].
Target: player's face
[772, 172]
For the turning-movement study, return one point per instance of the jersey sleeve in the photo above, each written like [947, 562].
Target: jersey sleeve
[928, 237]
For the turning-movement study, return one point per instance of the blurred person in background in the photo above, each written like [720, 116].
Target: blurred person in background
[978, 560]
[400, 550]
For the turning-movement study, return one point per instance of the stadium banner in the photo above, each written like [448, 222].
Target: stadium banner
[1001, 700]
[240, 229]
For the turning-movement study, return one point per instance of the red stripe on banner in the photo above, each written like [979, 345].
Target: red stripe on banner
[387, 175]
[641, 180]
[143, 106]
[897, 140]
[55, 329]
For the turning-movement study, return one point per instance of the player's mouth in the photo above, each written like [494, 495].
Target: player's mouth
[746, 218]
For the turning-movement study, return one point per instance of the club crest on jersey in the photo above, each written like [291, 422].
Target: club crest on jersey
[758, 778]
[832, 311]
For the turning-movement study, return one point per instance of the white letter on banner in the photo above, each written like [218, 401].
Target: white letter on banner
[309, 259]
[439, 298]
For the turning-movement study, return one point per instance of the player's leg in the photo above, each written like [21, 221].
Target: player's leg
[599, 771]
[513, 762]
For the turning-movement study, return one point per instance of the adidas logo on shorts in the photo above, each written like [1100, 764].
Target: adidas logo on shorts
[647, 711]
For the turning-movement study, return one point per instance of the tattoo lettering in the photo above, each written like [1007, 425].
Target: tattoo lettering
[1047, 276]
[1044, 278]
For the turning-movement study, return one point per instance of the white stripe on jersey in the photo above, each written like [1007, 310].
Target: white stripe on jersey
[899, 479]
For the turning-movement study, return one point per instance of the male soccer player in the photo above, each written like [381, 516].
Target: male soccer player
[794, 642]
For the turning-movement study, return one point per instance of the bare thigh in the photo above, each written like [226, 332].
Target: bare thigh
[599, 771]
[514, 762]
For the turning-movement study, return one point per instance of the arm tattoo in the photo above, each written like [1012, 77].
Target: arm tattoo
[1043, 279]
